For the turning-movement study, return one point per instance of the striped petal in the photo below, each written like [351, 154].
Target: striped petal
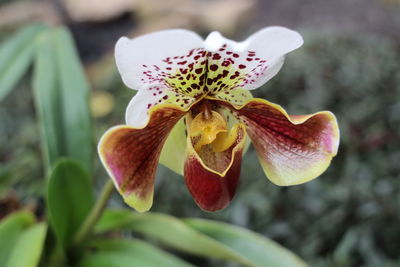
[291, 149]
[130, 155]
[212, 177]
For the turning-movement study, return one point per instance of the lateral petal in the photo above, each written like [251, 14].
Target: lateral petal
[130, 155]
[291, 149]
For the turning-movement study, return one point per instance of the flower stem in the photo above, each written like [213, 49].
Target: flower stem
[87, 226]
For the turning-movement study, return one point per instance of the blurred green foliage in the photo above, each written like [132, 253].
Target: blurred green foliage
[347, 217]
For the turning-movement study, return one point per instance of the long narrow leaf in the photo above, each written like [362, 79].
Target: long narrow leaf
[62, 99]
[170, 231]
[47, 99]
[126, 253]
[16, 56]
[256, 248]
[75, 99]
[203, 238]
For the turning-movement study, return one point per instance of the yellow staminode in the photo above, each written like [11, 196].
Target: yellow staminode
[225, 140]
[212, 129]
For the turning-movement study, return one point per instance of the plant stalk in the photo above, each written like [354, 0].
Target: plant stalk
[87, 226]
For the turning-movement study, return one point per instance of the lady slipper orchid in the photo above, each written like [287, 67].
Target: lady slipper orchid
[194, 109]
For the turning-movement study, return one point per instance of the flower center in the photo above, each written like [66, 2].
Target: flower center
[210, 128]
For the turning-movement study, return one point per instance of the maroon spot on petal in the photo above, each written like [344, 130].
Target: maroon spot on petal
[148, 106]
[216, 56]
[249, 59]
[241, 66]
[199, 70]
[226, 63]
[165, 97]
[229, 52]
[235, 55]
[182, 62]
[213, 67]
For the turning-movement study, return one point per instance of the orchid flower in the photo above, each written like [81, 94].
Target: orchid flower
[194, 108]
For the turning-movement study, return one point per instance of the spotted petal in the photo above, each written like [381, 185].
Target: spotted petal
[292, 149]
[130, 155]
[145, 59]
[212, 177]
[251, 63]
[167, 67]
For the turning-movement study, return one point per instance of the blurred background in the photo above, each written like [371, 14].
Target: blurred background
[349, 64]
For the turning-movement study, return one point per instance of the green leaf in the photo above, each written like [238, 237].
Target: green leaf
[125, 253]
[256, 248]
[47, 99]
[15, 57]
[10, 229]
[69, 198]
[62, 99]
[203, 238]
[170, 231]
[29, 247]
[74, 99]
